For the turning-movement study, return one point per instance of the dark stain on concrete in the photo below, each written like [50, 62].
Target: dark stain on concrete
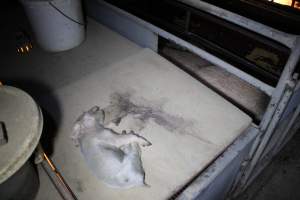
[152, 111]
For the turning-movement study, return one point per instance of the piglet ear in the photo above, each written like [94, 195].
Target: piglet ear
[76, 133]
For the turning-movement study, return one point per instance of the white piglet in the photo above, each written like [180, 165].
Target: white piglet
[114, 158]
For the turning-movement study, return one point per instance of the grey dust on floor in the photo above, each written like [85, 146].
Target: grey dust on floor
[123, 105]
[281, 179]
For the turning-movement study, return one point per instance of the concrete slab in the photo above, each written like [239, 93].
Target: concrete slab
[197, 124]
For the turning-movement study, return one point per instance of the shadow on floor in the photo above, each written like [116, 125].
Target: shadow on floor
[41, 93]
[281, 179]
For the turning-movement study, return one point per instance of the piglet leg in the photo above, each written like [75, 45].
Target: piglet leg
[118, 140]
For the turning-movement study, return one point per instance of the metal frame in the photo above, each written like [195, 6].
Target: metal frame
[288, 130]
[119, 27]
[283, 91]
[278, 106]
[289, 100]
[185, 31]
[281, 94]
[279, 36]
[209, 185]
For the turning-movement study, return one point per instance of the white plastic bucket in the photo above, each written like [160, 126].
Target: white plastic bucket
[58, 24]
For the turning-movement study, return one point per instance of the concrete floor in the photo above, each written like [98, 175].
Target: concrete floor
[281, 179]
[67, 83]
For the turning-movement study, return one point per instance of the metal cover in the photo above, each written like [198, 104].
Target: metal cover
[23, 122]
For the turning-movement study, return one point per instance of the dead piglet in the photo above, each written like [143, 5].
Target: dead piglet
[114, 158]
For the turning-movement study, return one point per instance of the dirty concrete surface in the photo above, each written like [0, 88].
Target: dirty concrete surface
[241, 93]
[67, 83]
[281, 179]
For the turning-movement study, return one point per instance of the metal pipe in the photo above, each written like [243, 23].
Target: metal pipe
[265, 138]
[278, 147]
[60, 183]
[274, 147]
[287, 129]
[57, 179]
[275, 108]
[274, 123]
[283, 81]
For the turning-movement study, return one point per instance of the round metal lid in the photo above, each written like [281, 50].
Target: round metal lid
[21, 123]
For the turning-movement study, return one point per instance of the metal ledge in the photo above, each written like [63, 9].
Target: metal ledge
[200, 52]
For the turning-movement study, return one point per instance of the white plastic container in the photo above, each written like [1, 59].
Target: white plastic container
[58, 24]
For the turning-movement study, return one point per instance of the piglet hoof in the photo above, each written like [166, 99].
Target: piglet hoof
[143, 141]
